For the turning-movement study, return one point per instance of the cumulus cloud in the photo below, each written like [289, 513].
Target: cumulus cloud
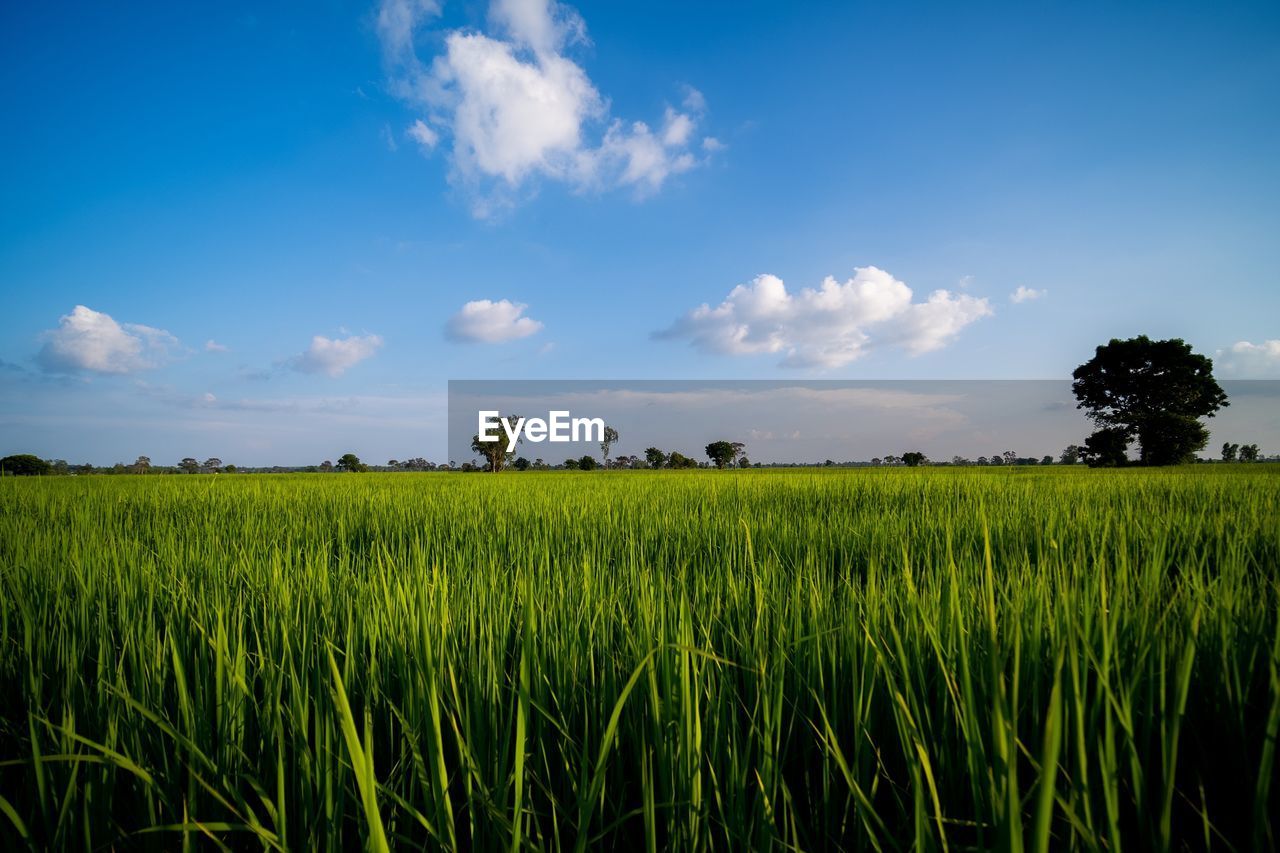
[829, 326]
[1250, 360]
[333, 357]
[213, 346]
[515, 107]
[88, 341]
[1026, 294]
[489, 322]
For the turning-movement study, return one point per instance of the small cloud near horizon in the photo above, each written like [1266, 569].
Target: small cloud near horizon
[1026, 294]
[486, 321]
[333, 357]
[1247, 360]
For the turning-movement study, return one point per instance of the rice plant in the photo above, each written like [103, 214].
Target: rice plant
[879, 659]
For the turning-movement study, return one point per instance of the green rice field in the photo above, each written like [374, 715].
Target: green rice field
[938, 659]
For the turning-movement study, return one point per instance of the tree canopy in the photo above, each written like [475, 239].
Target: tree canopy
[1152, 391]
[24, 465]
[351, 462]
[913, 459]
[721, 453]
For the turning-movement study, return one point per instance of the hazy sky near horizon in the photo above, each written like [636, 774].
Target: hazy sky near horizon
[809, 421]
[273, 233]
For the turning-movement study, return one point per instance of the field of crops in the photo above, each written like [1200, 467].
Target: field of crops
[817, 659]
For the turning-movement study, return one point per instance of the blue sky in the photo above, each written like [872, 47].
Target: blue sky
[256, 176]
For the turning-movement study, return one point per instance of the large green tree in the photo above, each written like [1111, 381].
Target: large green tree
[24, 464]
[351, 462]
[1153, 391]
[721, 453]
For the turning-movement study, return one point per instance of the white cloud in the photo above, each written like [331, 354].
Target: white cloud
[1026, 294]
[516, 108]
[396, 22]
[677, 128]
[491, 322]
[335, 357]
[213, 346]
[90, 341]
[421, 133]
[637, 157]
[932, 324]
[543, 26]
[1246, 359]
[694, 101]
[830, 326]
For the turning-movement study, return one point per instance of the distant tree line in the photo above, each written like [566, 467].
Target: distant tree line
[1233, 452]
[29, 465]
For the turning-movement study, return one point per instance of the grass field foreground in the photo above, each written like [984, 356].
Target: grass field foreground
[860, 659]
